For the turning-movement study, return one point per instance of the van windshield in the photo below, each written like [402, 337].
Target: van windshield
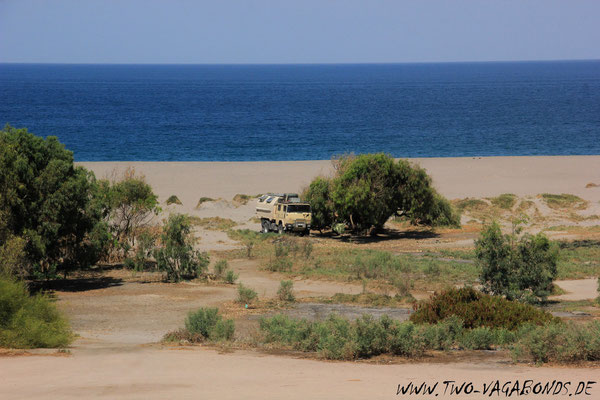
[298, 208]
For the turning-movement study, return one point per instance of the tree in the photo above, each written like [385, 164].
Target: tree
[319, 197]
[128, 204]
[48, 202]
[176, 255]
[517, 267]
[368, 189]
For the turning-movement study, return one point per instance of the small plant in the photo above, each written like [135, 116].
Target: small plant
[173, 200]
[505, 201]
[208, 324]
[562, 201]
[286, 291]
[307, 248]
[230, 277]
[241, 199]
[203, 200]
[220, 267]
[246, 295]
[280, 265]
[129, 263]
[339, 228]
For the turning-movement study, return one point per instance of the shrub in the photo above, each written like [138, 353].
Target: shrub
[144, 248]
[558, 201]
[230, 277]
[29, 321]
[518, 268]
[207, 323]
[442, 335]
[336, 338]
[173, 200]
[220, 267]
[203, 200]
[241, 199]
[177, 256]
[372, 335]
[280, 264]
[13, 259]
[558, 342]
[476, 309]
[505, 201]
[307, 248]
[286, 291]
[48, 202]
[481, 338]
[246, 295]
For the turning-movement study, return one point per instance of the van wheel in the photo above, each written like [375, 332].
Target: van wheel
[265, 226]
[280, 228]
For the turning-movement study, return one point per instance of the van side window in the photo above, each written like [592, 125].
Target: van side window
[284, 208]
[279, 207]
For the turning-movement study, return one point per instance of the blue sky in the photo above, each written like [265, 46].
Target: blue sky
[301, 31]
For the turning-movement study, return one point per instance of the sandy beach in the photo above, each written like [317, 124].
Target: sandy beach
[453, 177]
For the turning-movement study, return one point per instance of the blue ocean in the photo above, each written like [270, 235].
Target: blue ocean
[307, 112]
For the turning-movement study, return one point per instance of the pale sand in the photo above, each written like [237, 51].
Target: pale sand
[453, 177]
[204, 374]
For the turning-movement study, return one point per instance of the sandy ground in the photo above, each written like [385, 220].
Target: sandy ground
[120, 316]
[453, 177]
[150, 373]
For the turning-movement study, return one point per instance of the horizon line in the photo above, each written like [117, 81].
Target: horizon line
[305, 63]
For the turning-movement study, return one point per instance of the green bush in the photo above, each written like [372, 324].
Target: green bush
[477, 309]
[246, 295]
[207, 323]
[558, 342]
[442, 335]
[369, 188]
[338, 338]
[481, 338]
[30, 321]
[220, 267]
[230, 277]
[286, 291]
[520, 268]
[177, 256]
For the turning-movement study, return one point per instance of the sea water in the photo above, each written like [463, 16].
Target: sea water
[307, 112]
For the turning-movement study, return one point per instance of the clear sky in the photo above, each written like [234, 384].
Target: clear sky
[299, 31]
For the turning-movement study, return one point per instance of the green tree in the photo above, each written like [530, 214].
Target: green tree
[518, 267]
[319, 197]
[368, 189]
[176, 255]
[48, 202]
[128, 204]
